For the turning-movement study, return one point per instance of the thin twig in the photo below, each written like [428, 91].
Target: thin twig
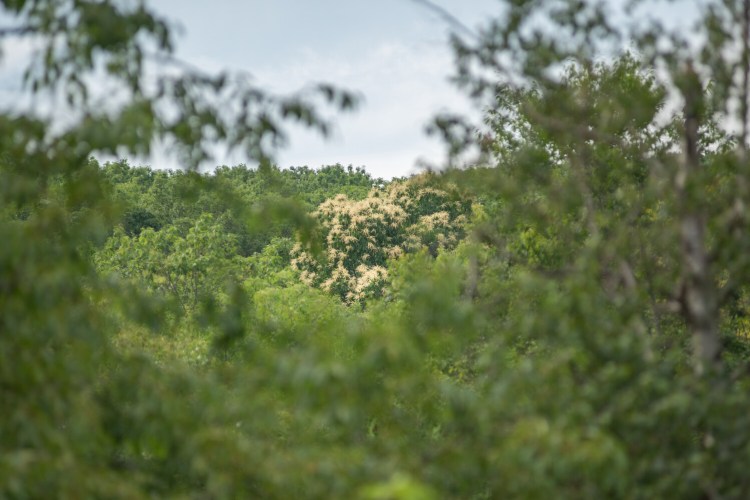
[448, 17]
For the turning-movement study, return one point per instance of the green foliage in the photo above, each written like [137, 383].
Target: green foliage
[187, 268]
[550, 322]
[153, 198]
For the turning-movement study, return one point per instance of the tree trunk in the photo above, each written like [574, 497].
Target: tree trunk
[699, 293]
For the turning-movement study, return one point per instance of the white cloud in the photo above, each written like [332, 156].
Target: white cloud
[403, 85]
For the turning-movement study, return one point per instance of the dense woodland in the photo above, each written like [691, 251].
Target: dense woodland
[563, 311]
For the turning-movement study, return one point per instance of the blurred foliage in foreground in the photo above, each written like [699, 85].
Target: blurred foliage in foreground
[568, 319]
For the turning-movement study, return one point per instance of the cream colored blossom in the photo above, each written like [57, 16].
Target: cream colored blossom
[384, 225]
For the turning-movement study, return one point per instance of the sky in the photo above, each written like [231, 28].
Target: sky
[393, 52]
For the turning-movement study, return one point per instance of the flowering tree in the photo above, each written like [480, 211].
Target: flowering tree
[362, 235]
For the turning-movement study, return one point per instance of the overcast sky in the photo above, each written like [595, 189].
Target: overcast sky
[394, 52]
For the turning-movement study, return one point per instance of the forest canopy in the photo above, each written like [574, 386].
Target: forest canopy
[565, 316]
